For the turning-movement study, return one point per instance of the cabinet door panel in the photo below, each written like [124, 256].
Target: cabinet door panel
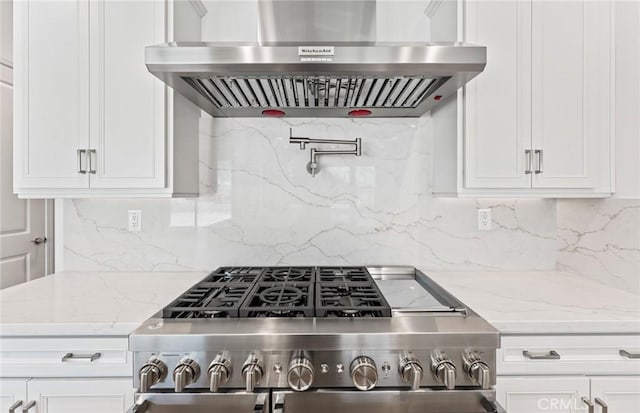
[51, 81]
[127, 115]
[81, 395]
[621, 394]
[12, 390]
[571, 86]
[497, 102]
[542, 394]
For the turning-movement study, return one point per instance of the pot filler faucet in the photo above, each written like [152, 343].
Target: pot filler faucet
[312, 166]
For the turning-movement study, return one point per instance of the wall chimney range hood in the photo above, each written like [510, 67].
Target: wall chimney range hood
[315, 59]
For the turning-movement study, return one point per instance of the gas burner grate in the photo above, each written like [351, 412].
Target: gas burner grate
[209, 300]
[350, 299]
[279, 299]
[287, 274]
[234, 275]
[343, 274]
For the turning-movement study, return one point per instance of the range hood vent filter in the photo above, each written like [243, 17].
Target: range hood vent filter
[265, 92]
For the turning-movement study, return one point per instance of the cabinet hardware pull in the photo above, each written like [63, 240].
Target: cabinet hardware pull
[527, 154]
[81, 154]
[90, 357]
[14, 406]
[39, 240]
[550, 355]
[602, 404]
[629, 355]
[92, 169]
[28, 406]
[538, 155]
[588, 403]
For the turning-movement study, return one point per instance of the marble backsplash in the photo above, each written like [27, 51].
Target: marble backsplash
[259, 206]
[600, 239]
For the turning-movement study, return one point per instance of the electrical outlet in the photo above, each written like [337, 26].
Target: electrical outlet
[135, 220]
[484, 219]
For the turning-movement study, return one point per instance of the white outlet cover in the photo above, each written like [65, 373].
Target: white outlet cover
[135, 220]
[484, 219]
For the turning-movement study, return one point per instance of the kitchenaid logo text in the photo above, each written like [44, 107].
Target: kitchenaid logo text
[315, 50]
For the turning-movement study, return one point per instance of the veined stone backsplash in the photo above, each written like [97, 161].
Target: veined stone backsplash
[259, 206]
[600, 239]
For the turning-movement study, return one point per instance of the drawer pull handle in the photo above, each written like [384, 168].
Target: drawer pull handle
[28, 406]
[629, 355]
[90, 357]
[550, 355]
[589, 404]
[14, 406]
[602, 404]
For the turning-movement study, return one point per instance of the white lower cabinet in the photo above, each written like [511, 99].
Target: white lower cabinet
[570, 373]
[96, 395]
[620, 394]
[13, 393]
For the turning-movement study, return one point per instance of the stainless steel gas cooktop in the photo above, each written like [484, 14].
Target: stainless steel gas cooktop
[274, 339]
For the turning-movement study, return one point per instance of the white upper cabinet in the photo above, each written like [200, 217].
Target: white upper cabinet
[90, 120]
[537, 121]
[127, 102]
[51, 93]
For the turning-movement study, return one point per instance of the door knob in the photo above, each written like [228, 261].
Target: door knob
[39, 240]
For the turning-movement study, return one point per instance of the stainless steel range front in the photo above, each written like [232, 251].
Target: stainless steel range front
[310, 339]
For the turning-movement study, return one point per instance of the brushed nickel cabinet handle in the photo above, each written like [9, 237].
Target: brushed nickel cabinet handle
[92, 153]
[549, 355]
[72, 356]
[602, 404]
[28, 406]
[629, 355]
[528, 160]
[14, 406]
[539, 166]
[82, 153]
[589, 404]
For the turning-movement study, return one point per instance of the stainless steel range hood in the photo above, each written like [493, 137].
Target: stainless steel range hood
[315, 59]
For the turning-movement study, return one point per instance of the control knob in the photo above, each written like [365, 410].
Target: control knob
[252, 372]
[300, 374]
[219, 372]
[364, 373]
[185, 373]
[443, 369]
[477, 369]
[152, 372]
[411, 371]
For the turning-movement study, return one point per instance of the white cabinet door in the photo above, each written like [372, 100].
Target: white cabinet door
[542, 394]
[620, 394]
[81, 395]
[498, 101]
[51, 101]
[127, 102]
[11, 391]
[571, 91]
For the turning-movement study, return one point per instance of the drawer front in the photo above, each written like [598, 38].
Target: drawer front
[65, 357]
[574, 354]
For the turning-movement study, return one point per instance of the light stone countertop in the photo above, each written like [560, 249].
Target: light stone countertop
[545, 302]
[89, 303]
[115, 303]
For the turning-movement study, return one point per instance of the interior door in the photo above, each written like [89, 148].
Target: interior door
[21, 221]
[620, 394]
